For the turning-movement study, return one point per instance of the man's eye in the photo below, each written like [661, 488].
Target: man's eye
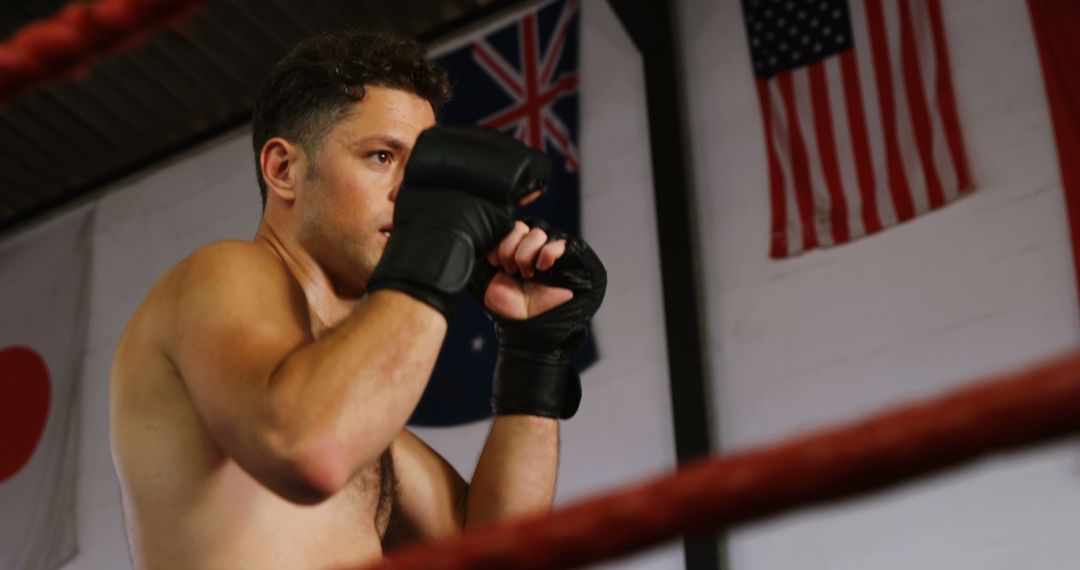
[382, 156]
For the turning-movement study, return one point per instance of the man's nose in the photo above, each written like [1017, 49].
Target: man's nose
[396, 189]
[399, 181]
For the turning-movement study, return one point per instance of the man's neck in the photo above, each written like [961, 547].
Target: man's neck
[326, 306]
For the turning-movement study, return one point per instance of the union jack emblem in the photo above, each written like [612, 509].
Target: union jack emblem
[533, 86]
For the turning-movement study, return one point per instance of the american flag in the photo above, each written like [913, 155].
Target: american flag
[521, 77]
[859, 115]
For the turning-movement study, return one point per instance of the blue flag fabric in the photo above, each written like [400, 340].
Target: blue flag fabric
[521, 78]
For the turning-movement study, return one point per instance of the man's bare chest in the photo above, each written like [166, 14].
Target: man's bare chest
[373, 492]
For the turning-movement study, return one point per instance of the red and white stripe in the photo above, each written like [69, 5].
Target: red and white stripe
[867, 138]
[534, 89]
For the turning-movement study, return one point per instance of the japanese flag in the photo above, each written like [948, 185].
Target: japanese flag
[42, 322]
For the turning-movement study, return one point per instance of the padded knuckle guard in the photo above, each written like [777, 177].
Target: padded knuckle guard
[479, 160]
[456, 202]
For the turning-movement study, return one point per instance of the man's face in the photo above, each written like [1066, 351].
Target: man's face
[346, 206]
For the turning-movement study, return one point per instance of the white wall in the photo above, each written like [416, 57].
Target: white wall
[623, 431]
[144, 226]
[983, 285]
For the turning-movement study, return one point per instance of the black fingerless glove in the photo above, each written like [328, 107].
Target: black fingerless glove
[456, 202]
[533, 374]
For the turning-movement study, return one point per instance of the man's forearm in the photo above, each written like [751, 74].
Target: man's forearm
[346, 396]
[517, 469]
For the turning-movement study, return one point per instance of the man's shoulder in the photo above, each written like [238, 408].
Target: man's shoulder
[228, 268]
[218, 277]
[237, 278]
[235, 259]
[228, 286]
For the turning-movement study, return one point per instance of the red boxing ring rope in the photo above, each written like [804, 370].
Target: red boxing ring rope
[69, 42]
[1005, 411]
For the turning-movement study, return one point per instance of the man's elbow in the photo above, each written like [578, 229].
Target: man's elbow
[311, 482]
[307, 464]
[308, 474]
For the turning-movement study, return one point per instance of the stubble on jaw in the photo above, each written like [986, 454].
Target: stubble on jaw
[348, 260]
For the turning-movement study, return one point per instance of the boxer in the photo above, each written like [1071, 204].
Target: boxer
[260, 392]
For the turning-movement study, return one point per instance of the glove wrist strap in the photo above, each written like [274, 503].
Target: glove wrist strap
[428, 262]
[527, 383]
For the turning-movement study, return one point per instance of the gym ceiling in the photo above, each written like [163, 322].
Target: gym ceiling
[62, 140]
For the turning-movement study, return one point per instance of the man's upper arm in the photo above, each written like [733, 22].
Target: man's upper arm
[234, 322]
[431, 494]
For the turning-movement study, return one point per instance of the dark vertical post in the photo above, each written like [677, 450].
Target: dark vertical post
[650, 25]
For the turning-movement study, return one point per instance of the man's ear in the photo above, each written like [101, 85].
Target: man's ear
[280, 162]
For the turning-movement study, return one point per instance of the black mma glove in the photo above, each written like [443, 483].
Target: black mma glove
[456, 202]
[532, 371]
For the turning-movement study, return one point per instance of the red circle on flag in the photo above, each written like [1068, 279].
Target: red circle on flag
[25, 393]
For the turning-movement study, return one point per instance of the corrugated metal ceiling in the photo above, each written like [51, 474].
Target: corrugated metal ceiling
[63, 140]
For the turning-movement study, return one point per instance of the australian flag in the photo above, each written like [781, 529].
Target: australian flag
[522, 79]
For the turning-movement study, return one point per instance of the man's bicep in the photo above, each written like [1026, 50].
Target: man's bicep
[230, 334]
[431, 493]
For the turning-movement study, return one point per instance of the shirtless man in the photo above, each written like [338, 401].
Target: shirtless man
[260, 392]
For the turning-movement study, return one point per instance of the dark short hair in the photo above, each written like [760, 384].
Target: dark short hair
[313, 86]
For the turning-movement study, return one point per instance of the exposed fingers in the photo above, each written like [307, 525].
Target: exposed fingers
[509, 245]
[528, 250]
[550, 253]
